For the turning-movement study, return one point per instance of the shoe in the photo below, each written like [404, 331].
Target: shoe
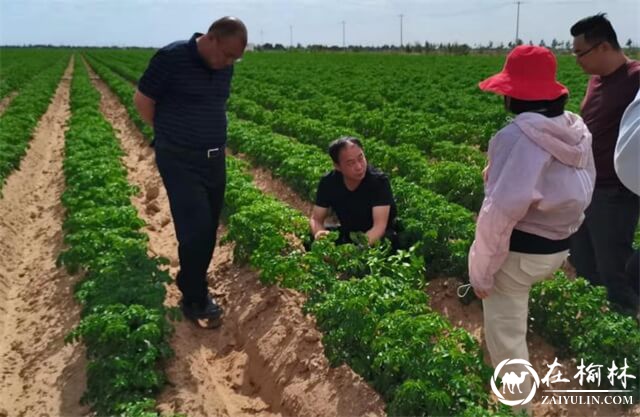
[209, 311]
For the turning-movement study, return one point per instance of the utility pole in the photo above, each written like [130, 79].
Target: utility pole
[291, 36]
[261, 37]
[344, 44]
[401, 16]
[518, 22]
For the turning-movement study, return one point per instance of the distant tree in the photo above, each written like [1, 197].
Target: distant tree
[519, 41]
[567, 45]
[629, 43]
[554, 43]
[542, 43]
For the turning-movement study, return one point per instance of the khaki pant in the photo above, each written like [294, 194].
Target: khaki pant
[506, 310]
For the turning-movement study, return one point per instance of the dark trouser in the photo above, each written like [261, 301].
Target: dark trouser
[195, 186]
[601, 247]
[633, 271]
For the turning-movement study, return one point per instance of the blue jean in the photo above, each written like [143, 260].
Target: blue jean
[195, 186]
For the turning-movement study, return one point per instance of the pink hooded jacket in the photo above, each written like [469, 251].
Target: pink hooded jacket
[541, 178]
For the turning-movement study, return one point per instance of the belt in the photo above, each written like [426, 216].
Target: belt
[211, 153]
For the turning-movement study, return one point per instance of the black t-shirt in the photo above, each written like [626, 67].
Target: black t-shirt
[354, 208]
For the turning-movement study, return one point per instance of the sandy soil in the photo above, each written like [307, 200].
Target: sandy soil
[39, 374]
[4, 103]
[269, 184]
[267, 358]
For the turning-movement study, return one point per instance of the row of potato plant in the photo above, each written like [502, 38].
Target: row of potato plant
[554, 303]
[370, 305]
[393, 126]
[441, 371]
[459, 182]
[20, 119]
[124, 323]
[444, 245]
[21, 65]
[443, 231]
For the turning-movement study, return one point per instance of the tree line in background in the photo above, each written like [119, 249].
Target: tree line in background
[426, 47]
[416, 47]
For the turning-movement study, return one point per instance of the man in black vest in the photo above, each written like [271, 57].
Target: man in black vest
[359, 194]
[183, 95]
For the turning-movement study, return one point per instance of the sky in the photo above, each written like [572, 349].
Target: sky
[154, 23]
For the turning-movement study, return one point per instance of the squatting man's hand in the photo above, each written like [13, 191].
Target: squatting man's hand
[321, 234]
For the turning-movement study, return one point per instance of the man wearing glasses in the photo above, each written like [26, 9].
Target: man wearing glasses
[603, 244]
[182, 95]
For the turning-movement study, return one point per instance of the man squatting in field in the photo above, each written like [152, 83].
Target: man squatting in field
[182, 95]
[359, 194]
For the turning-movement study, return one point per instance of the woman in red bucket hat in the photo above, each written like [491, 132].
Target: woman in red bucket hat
[539, 181]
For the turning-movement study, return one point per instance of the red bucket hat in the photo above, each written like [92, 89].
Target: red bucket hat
[528, 74]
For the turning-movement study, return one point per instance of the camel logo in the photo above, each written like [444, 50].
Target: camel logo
[511, 382]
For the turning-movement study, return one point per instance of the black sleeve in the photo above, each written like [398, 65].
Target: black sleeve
[323, 196]
[382, 195]
[153, 82]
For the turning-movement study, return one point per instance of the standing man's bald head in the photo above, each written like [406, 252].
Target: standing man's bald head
[224, 43]
[229, 27]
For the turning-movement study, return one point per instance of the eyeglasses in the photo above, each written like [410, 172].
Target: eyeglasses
[583, 53]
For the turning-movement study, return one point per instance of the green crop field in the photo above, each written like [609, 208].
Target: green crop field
[422, 119]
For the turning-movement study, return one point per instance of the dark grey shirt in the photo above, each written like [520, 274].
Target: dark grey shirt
[190, 97]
